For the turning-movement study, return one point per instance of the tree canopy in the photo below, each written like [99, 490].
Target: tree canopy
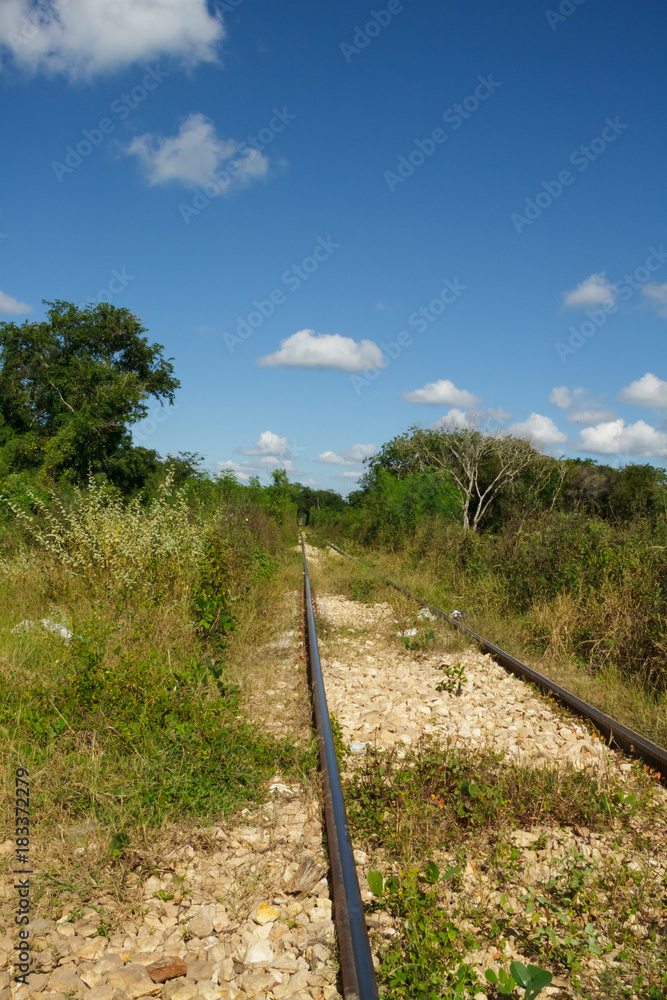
[71, 385]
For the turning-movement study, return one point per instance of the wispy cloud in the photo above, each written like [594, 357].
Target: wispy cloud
[307, 349]
[81, 39]
[196, 156]
[444, 393]
[579, 408]
[8, 304]
[594, 291]
[656, 295]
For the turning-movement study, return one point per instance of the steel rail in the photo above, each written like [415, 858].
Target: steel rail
[354, 947]
[616, 734]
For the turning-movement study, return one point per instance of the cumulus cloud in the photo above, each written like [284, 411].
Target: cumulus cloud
[649, 390]
[81, 39]
[443, 392]
[348, 474]
[351, 456]
[540, 429]
[268, 444]
[615, 438]
[307, 349]
[594, 291]
[656, 295]
[198, 156]
[8, 304]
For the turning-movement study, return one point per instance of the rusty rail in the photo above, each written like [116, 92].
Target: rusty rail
[615, 733]
[354, 948]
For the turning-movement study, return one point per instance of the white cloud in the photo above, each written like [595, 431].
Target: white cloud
[540, 429]
[268, 444]
[8, 304]
[443, 392]
[594, 291]
[649, 390]
[592, 415]
[657, 296]
[348, 474]
[351, 456]
[198, 156]
[615, 438]
[83, 38]
[307, 349]
[457, 419]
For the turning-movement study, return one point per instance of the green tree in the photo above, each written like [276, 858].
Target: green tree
[71, 385]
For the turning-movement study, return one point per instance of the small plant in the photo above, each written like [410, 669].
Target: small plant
[530, 977]
[413, 639]
[454, 678]
[424, 960]
[119, 842]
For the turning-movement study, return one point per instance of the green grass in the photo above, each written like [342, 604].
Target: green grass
[136, 723]
[439, 825]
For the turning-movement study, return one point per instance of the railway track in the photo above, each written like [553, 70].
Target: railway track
[358, 977]
[616, 734]
[355, 953]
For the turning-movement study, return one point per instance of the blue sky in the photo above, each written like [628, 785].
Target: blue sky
[344, 219]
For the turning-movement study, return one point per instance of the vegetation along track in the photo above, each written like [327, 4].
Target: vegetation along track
[617, 734]
[494, 834]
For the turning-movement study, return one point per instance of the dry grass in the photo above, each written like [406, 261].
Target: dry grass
[637, 705]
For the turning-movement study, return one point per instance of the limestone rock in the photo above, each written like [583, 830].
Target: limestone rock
[182, 989]
[134, 981]
[101, 992]
[67, 981]
[259, 953]
[201, 923]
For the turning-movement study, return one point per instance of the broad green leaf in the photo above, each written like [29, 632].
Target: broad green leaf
[432, 873]
[375, 883]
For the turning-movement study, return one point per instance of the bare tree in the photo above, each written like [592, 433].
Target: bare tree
[481, 464]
